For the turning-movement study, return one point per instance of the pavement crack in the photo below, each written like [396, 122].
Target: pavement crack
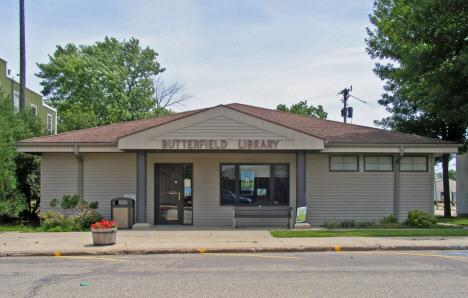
[59, 278]
[279, 239]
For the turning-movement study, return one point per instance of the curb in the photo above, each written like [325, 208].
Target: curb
[229, 250]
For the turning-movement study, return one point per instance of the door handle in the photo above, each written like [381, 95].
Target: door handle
[175, 193]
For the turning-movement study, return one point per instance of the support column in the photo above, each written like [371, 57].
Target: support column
[141, 191]
[300, 179]
[301, 185]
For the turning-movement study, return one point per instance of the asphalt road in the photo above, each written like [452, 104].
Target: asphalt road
[324, 274]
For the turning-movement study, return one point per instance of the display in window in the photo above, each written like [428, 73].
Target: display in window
[261, 192]
[248, 180]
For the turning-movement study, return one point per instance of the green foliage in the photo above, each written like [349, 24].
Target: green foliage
[104, 83]
[87, 217]
[451, 174]
[391, 219]
[54, 202]
[94, 205]
[419, 219]
[69, 201]
[19, 173]
[427, 81]
[303, 109]
[84, 215]
[425, 46]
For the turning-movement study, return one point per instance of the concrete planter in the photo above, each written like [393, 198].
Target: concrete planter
[104, 236]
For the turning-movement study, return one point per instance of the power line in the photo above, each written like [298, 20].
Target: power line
[366, 102]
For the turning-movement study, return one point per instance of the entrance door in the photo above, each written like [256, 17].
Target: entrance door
[173, 193]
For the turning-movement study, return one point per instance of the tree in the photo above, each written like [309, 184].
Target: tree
[105, 83]
[171, 96]
[301, 108]
[452, 175]
[19, 173]
[425, 43]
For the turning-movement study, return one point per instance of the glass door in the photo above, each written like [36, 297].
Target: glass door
[173, 194]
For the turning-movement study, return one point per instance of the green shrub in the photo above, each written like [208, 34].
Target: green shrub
[419, 219]
[391, 219]
[59, 221]
[87, 217]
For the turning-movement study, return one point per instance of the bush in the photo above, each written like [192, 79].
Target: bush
[87, 217]
[391, 219]
[419, 219]
[54, 219]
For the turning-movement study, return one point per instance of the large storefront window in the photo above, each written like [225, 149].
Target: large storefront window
[255, 184]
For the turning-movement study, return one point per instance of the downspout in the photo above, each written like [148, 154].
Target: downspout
[396, 200]
[80, 173]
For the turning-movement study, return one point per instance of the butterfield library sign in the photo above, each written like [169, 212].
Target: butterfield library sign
[219, 144]
[195, 167]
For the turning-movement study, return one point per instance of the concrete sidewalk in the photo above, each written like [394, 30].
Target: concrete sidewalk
[181, 239]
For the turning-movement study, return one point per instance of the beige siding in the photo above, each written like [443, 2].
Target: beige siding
[105, 176]
[108, 176]
[416, 191]
[331, 196]
[376, 149]
[59, 176]
[206, 170]
[335, 196]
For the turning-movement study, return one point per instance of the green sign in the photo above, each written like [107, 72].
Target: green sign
[301, 214]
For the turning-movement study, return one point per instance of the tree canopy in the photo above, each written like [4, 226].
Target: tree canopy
[19, 173]
[452, 175]
[425, 45]
[104, 83]
[301, 108]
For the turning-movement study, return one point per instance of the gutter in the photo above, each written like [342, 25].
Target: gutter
[391, 145]
[396, 199]
[80, 172]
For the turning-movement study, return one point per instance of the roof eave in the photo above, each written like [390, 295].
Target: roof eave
[19, 144]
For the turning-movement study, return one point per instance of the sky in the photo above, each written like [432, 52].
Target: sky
[261, 53]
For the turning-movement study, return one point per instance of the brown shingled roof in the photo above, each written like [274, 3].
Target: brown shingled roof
[327, 130]
[333, 131]
[108, 133]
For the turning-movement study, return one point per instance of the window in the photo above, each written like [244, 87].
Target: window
[49, 122]
[16, 100]
[34, 108]
[254, 184]
[413, 164]
[344, 163]
[378, 163]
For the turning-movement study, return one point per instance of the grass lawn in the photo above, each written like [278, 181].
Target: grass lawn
[372, 233]
[462, 221]
[19, 228]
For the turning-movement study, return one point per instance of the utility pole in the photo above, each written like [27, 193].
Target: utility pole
[345, 112]
[22, 103]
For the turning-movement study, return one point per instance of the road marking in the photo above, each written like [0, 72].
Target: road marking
[258, 256]
[89, 258]
[409, 254]
[337, 248]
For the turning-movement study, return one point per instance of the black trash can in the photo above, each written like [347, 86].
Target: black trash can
[123, 212]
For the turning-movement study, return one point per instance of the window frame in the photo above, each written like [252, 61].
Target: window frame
[16, 95]
[271, 182]
[49, 116]
[34, 107]
[415, 171]
[330, 158]
[392, 163]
